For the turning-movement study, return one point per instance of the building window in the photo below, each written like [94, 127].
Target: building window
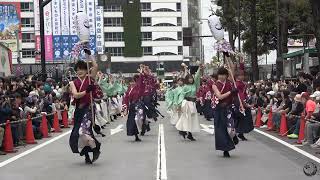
[147, 36]
[113, 8]
[28, 37]
[164, 24]
[115, 51]
[180, 50]
[146, 21]
[145, 6]
[147, 51]
[27, 22]
[179, 36]
[113, 22]
[165, 39]
[179, 21]
[28, 53]
[178, 7]
[113, 36]
[163, 10]
[26, 7]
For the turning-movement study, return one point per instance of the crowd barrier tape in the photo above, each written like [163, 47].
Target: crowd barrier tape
[25, 120]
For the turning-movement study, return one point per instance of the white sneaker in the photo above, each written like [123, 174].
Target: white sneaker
[315, 146]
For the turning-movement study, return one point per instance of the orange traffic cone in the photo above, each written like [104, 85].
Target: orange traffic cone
[258, 119]
[8, 141]
[301, 131]
[283, 125]
[270, 122]
[56, 125]
[65, 119]
[29, 132]
[44, 127]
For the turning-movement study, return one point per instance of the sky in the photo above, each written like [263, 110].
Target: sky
[208, 43]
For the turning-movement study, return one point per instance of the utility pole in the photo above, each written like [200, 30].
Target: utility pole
[279, 66]
[42, 4]
[239, 24]
[18, 54]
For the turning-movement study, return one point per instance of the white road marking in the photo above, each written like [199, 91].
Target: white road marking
[207, 128]
[310, 156]
[162, 162]
[116, 130]
[14, 158]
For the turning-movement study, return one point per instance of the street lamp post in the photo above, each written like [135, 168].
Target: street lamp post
[42, 4]
[239, 23]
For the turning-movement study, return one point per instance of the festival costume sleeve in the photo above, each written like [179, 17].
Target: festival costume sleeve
[184, 92]
[104, 86]
[197, 79]
[140, 85]
[117, 87]
[169, 98]
[125, 101]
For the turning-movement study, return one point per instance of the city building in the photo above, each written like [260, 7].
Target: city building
[162, 23]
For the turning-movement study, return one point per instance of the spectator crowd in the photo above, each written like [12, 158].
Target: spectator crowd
[21, 97]
[292, 98]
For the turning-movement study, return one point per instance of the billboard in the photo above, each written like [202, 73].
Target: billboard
[36, 12]
[60, 30]
[99, 30]
[65, 28]
[56, 27]
[6, 61]
[10, 24]
[48, 32]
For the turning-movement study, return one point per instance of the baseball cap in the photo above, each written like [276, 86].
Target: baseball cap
[315, 94]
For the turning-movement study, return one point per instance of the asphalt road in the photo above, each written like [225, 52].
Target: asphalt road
[122, 158]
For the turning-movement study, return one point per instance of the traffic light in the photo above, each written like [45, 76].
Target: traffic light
[187, 36]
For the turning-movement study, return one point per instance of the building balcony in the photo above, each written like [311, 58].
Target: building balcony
[113, 14]
[147, 58]
[161, 28]
[114, 44]
[161, 43]
[28, 45]
[27, 14]
[113, 29]
[161, 14]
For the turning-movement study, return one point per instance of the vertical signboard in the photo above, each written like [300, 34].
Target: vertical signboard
[56, 30]
[48, 32]
[65, 28]
[37, 28]
[99, 30]
[10, 24]
[81, 5]
[73, 25]
[91, 14]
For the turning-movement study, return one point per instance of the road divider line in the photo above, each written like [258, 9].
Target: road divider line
[310, 156]
[14, 158]
[162, 162]
[207, 128]
[116, 130]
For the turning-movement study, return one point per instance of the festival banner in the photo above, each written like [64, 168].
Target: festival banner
[92, 23]
[81, 5]
[36, 13]
[73, 25]
[56, 26]
[48, 32]
[65, 28]
[10, 24]
[99, 30]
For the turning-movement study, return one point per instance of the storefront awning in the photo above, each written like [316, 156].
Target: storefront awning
[311, 51]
